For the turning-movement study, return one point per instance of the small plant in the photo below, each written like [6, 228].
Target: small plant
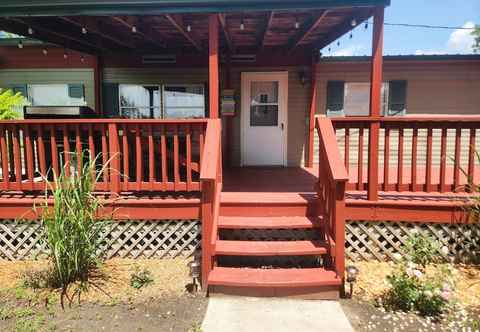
[38, 279]
[140, 278]
[9, 104]
[422, 249]
[70, 230]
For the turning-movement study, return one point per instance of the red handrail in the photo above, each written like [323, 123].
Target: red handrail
[332, 178]
[211, 184]
[420, 153]
[146, 155]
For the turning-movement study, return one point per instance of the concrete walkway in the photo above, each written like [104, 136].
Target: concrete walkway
[236, 314]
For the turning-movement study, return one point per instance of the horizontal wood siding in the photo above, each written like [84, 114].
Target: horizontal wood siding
[51, 76]
[433, 88]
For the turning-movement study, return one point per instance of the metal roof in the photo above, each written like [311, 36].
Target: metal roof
[153, 7]
[407, 57]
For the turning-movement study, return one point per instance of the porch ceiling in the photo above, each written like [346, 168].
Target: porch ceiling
[181, 26]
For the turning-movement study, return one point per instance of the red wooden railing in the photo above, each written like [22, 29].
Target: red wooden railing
[416, 153]
[211, 182]
[332, 178]
[146, 155]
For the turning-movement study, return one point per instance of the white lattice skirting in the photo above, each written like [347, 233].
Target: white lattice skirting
[173, 238]
[126, 239]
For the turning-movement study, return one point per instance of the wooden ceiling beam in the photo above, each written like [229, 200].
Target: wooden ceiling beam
[306, 30]
[223, 22]
[93, 26]
[60, 33]
[22, 30]
[343, 28]
[131, 22]
[264, 31]
[177, 22]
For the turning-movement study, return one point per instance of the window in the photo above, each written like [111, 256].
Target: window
[56, 94]
[264, 104]
[139, 101]
[183, 101]
[353, 98]
[146, 101]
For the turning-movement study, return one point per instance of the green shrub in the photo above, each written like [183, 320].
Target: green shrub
[140, 278]
[422, 249]
[9, 104]
[70, 230]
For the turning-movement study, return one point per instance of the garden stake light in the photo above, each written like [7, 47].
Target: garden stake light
[195, 270]
[352, 274]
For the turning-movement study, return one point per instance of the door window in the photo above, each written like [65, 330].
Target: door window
[264, 104]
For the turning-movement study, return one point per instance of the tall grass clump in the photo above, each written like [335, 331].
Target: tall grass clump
[71, 231]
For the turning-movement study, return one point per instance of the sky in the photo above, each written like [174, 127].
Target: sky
[406, 40]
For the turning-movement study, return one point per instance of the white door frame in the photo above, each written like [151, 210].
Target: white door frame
[246, 78]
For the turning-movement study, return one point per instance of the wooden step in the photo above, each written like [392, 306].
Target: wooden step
[292, 222]
[248, 277]
[268, 204]
[270, 248]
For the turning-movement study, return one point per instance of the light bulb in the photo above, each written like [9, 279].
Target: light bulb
[354, 22]
[20, 44]
[297, 25]
[189, 28]
[65, 55]
[30, 31]
[242, 26]
[134, 29]
[82, 59]
[84, 30]
[44, 51]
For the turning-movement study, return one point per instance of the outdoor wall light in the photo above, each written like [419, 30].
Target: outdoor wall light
[352, 274]
[195, 270]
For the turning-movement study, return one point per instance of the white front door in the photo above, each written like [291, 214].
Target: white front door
[264, 119]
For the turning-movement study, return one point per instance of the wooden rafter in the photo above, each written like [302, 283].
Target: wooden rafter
[223, 22]
[264, 31]
[92, 26]
[128, 23]
[307, 29]
[343, 28]
[69, 36]
[177, 22]
[21, 29]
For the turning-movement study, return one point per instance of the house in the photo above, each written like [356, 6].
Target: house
[208, 111]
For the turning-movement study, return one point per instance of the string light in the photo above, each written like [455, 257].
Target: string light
[84, 30]
[30, 31]
[65, 54]
[82, 58]
[20, 44]
[189, 28]
[44, 51]
[297, 24]
[354, 22]
[242, 25]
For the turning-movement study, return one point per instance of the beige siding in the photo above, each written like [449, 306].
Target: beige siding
[51, 76]
[441, 88]
[155, 75]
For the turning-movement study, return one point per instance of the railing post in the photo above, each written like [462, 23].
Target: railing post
[313, 109]
[339, 218]
[114, 151]
[375, 103]
[208, 195]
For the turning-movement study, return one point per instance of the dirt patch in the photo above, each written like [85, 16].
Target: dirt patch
[113, 305]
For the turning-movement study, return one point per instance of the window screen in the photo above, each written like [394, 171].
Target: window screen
[56, 95]
[183, 101]
[139, 101]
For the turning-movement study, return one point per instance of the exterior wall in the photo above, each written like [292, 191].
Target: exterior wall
[30, 66]
[437, 87]
[51, 76]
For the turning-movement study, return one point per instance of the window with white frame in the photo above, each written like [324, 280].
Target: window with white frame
[168, 101]
[56, 94]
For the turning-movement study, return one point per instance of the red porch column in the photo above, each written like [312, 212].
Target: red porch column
[213, 65]
[313, 108]
[375, 102]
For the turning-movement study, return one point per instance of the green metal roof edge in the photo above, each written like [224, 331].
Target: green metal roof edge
[25, 42]
[152, 7]
[408, 57]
